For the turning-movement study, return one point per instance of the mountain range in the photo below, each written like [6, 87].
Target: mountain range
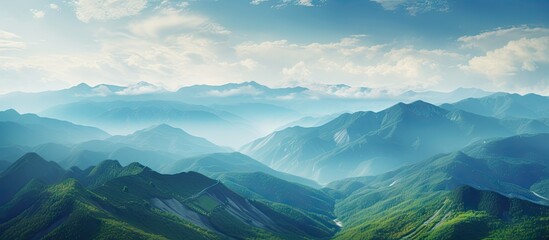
[136, 202]
[428, 200]
[123, 117]
[31, 129]
[154, 146]
[474, 166]
[368, 143]
[505, 105]
[469, 193]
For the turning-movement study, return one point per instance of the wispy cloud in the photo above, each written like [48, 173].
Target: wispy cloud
[350, 58]
[284, 3]
[10, 41]
[87, 10]
[173, 20]
[37, 14]
[140, 88]
[489, 40]
[174, 43]
[257, 2]
[243, 90]
[307, 3]
[414, 7]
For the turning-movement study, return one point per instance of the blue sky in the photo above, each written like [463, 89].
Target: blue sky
[396, 45]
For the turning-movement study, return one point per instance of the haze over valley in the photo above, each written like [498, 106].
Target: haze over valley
[268, 119]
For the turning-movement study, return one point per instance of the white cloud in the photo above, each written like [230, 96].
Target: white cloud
[54, 6]
[299, 71]
[87, 10]
[390, 4]
[282, 51]
[38, 14]
[10, 41]
[413, 7]
[516, 56]
[284, 3]
[244, 90]
[352, 61]
[257, 2]
[173, 59]
[307, 3]
[345, 91]
[497, 38]
[140, 88]
[406, 68]
[247, 63]
[172, 20]
[514, 59]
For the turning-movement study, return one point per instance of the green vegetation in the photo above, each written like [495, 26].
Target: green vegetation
[259, 185]
[429, 200]
[24, 170]
[424, 200]
[449, 215]
[114, 202]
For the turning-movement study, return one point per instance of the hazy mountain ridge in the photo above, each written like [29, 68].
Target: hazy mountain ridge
[122, 117]
[213, 165]
[154, 146]
[39, 101]
[169, 139]
[367, 206]
[369, 143]
[505, 105]
[31, 129]
[443, 174]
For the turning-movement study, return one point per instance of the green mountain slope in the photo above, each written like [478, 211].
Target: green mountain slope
[69, 211]
[263, 186]
[412, 200]
[111, 201]
[464, 213]
[30, 166]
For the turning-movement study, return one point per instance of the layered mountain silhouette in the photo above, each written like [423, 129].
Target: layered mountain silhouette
[39, 101]
[236, 90]
[445, 97]
[368, 143]
[476, 168]
[122, 117]
[154, 146]
[505, 105]
[214, 165]
[168, 139]
[31, 130]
